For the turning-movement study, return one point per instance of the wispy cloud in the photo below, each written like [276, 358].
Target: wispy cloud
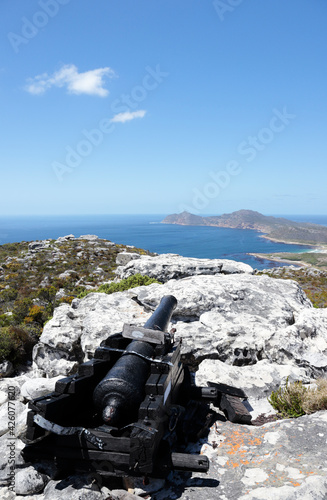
[89, 82]
[127, 116]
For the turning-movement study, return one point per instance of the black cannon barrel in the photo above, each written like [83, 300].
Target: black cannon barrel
[121, 391]
[162, 315]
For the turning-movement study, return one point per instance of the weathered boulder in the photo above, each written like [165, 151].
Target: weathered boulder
[168, 266]
[13, 417]
[281, 460]
[9, 458]
[63, 239]
[36, 387]
[70, 273]
[59, 350]
[12, 386]
[75, 332]
[258, 381]
[36, 246]
[124, 258]
[29, 481]
[89, 237]
[239, 319]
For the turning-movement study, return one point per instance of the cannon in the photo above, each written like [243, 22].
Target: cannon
[131, 409]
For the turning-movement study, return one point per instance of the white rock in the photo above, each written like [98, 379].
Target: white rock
[258, 381]
[51, 361]
[13, 417]
[124, 258]
[36, 246]
[60, 294]
[13, 386]
[313, 488]
[37, 387]
[28, 481]
[171, 266]
[239, 319]
[63, 239]
[3, 397]
[63, 331]
[90, 237]
[81, 328]
[67, 274]
[254, 476]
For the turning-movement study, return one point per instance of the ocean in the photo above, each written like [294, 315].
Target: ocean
[145, 231]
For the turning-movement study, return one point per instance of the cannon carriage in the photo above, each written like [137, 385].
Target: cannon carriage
[130, 410]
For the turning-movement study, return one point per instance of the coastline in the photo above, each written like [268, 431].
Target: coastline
[276, 240]
[266, 256]
[262, 235]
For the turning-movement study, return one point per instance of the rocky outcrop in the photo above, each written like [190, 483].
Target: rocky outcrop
[238, 319]
[283, 460]
[36, 246]
[250, 331]
[124, 258]
[169, 266]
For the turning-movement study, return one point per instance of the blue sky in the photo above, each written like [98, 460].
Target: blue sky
[159, 106]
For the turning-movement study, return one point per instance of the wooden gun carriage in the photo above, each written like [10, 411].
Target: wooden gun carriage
[130, 409]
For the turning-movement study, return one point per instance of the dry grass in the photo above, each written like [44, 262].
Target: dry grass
[316, 399]
[295, 400]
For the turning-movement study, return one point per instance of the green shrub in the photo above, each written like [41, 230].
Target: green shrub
[5, 320]
[67, 299]
[7, 344]
[8, 294]
[15, 344]
[127, 283]
[124, 284]
[35, 315]
[21, 309]
[295, 400]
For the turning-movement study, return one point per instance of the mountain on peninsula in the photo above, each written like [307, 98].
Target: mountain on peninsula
[275, 228]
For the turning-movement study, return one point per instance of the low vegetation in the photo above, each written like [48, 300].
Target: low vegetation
[316, 259]
[295, 399]
[121, 286]
[33, 281]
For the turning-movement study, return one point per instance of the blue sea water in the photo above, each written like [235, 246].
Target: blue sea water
[145, 231]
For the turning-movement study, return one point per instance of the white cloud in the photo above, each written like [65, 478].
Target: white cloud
[90, 82]
[127, 116]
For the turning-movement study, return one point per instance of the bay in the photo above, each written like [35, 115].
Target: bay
[145, 231]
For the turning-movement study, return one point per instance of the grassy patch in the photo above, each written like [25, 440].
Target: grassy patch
[295, 400]
[313, 258]
[124, 284]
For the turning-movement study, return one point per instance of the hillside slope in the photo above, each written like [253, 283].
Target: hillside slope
[275, 228]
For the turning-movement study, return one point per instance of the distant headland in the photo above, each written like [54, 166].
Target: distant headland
[273, 228]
